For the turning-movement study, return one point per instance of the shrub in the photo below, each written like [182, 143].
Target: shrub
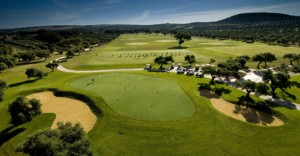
[33, 72]
[23, 110]
[65, 140]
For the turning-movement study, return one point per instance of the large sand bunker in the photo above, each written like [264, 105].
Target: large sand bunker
[245, 114]
[66, 110]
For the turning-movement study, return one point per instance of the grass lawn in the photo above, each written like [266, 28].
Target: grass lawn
[129, 51]
[291, 94]
[204, 132]
[139, 97]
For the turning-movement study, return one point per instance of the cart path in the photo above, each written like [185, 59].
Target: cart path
[281, 102]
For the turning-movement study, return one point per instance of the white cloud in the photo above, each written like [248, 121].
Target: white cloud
[208, 16]
[59, 16]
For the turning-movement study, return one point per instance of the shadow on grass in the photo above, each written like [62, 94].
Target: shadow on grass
[286, 95]
[21, 83]
[295, 83]
[177, 47]
[8, 133]
[254, 116]
[207, 91]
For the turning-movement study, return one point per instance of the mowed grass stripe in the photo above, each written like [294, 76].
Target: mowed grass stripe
[140, 97]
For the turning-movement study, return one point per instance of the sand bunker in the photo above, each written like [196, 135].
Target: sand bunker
[213, 43]
[245, 114]
[66, 109]
[166, 41]
[137, 43]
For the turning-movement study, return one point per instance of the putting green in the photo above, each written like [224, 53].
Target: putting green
[139, 97]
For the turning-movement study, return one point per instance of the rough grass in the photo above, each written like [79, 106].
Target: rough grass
[206, 132]
[139, 97]
[119, 53]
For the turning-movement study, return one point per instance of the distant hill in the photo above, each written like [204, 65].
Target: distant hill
[259, 17]
[271, 28]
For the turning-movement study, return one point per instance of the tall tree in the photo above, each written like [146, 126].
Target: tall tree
[182, 37]
[212, 71]
[278, 80]
[3, 87]
[269, 57]
[52, 65]
[160, 60]
[258, 58]
[264, 57]
[242, 60]
[291, 57]
[249, 86]
[190, 59]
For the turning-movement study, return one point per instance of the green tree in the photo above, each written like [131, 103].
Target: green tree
[258, 58]
[65, 140]
[3, 87]
[212, 71]
[269, 57]
[23, 110]
[27, 56]
[190, 59]
[8, 60]
[262, 88]
[160, 60]
[33, 72]
[43, 54]
[70, 54]
[212, 61]
[52, 65]
[242, 60]
[249, 86]
[278, 80]
[3, 67]
[6, 50]
[292, 57]
[182, 37]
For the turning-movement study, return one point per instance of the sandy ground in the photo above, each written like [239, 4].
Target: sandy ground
[137, 43]
[66, 109]
[245, 114]
[165, 41]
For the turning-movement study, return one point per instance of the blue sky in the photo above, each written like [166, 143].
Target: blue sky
[24, 13]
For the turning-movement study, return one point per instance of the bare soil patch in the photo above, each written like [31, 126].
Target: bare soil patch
[66, 110]
[245, 114]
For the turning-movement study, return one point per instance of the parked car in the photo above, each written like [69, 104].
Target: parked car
[180, 71]
[190, 72]
[199, 75]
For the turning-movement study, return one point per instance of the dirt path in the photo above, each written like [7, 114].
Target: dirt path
[66, 109]
[245, 114]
